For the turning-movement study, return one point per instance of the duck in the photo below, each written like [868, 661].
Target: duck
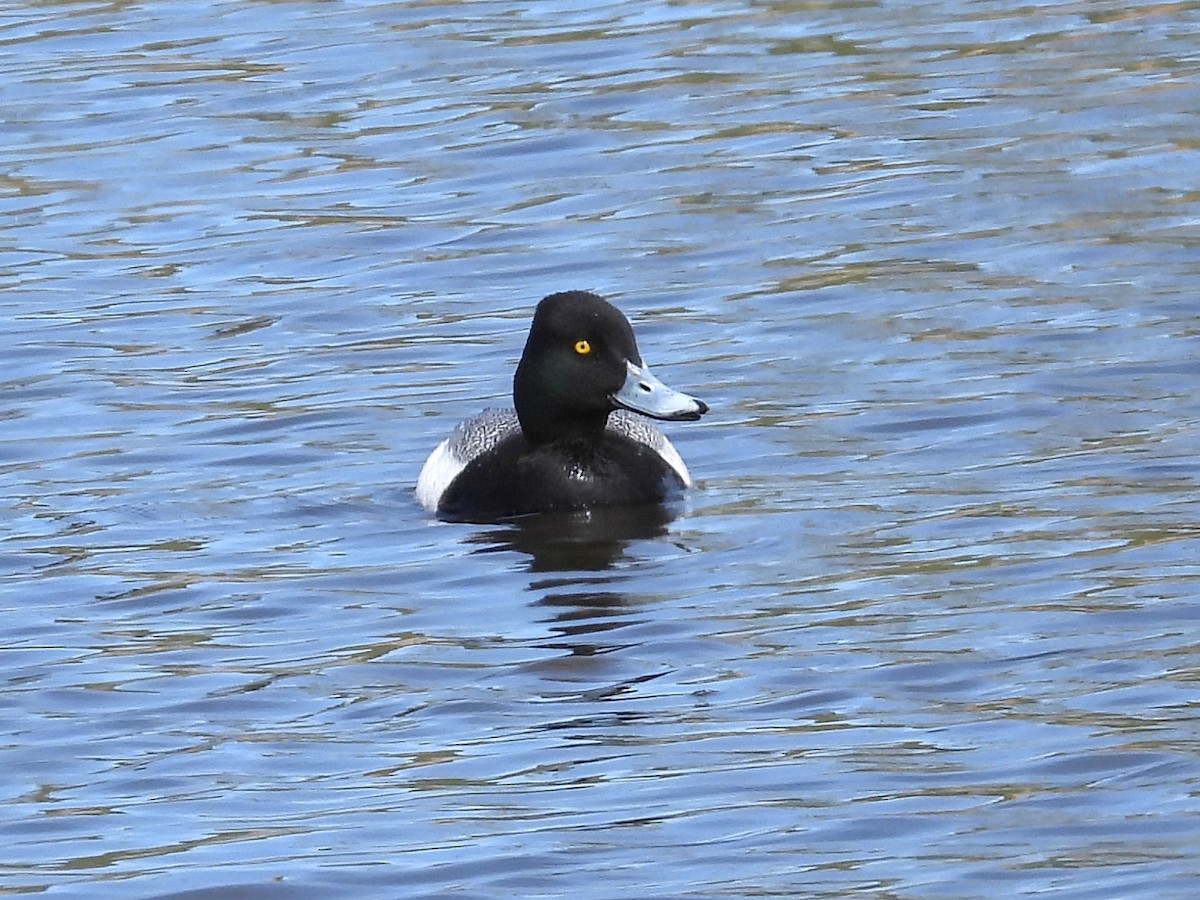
[576, 437]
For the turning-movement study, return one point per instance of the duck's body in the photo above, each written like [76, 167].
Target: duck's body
[569, 443]
[633, 463]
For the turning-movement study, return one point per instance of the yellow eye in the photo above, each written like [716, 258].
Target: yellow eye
[583, 348]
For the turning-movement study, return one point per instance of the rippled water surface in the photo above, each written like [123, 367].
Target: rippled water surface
[929, 624]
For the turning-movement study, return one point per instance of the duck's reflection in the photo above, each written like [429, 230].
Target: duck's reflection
[582, 619]
[589, 540]
[577, 551]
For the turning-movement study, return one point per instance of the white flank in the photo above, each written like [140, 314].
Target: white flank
[439, 470]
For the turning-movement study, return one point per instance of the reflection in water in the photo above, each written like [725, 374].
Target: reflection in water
[589, 540]
[580, 619]
[578, 544]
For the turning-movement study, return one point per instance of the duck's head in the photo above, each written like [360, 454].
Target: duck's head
[580, 363]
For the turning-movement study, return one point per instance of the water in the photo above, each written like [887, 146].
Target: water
[927, 627]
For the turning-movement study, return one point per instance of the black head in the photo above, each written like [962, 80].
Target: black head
[581, 362]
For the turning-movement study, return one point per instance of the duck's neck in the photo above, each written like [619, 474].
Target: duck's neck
[544, 420]
[545, 425]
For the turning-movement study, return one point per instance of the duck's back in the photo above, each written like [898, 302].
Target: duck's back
[471, 438]
[487, 469]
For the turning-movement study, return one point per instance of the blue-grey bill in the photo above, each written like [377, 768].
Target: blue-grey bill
[644, 393]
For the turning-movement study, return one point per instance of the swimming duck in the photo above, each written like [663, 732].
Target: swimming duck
[572, 441]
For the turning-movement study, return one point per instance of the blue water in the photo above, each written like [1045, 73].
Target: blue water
[925, 628]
